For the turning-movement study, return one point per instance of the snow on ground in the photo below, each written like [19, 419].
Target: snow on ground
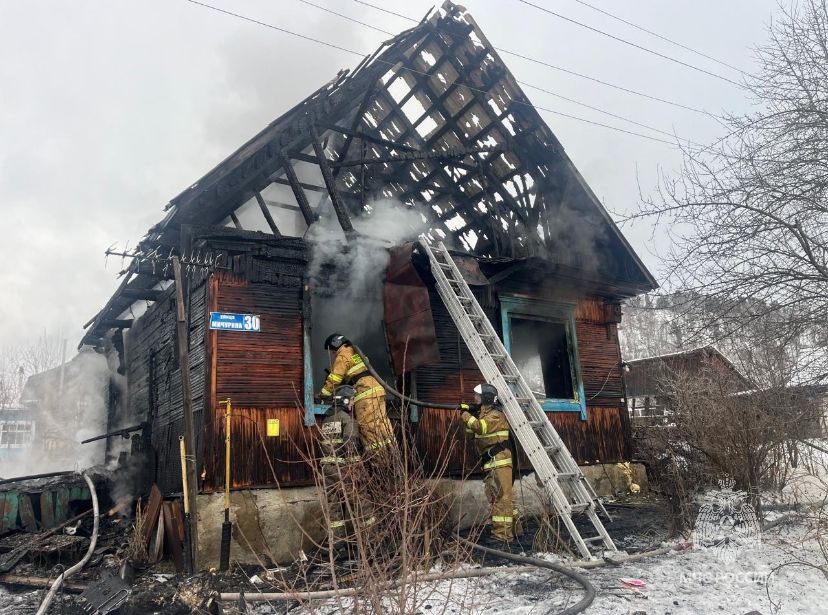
[679, 583]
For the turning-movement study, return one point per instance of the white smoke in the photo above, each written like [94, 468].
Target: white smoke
[347, 276]
[65, 411]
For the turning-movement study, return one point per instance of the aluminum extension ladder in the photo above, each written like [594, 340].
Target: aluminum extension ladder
[551, 460]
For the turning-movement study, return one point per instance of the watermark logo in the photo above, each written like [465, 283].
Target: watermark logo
[726, 523]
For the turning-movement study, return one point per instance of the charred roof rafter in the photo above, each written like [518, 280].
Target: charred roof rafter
[437, 118]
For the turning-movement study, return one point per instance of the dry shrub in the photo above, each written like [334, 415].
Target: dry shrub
[708, 430]
[412, 534]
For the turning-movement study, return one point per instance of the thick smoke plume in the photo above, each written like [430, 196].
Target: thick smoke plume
[347, 277]
[67, 405]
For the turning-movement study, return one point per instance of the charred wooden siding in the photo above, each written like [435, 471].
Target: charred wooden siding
[262, 373]
[603, 437]
[154, 381]
[450, 381]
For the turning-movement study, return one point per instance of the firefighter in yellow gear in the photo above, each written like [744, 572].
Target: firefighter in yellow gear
[487, 422]
[375, 429]
[338, 443]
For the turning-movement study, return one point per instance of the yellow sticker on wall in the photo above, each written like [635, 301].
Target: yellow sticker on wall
[272, 427]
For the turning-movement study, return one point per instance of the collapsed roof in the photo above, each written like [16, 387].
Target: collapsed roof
[432, 120]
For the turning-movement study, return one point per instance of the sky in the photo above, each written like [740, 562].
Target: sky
[109, 109]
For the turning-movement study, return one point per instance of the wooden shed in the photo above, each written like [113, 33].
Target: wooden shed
[311, 227]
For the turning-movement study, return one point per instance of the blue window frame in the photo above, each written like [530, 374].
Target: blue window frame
[516, 311]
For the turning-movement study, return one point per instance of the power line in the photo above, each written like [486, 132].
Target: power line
[604, 111]
[272, 27]
[630, 43]
[659, 36]
[393, 64]
[332, 12]
[523, 83]
[564, 70]
[384, 10]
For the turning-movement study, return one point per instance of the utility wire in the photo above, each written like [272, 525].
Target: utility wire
[412, 70]
[523, 83]
[659, 36]
[562, 69]
[332, 12]
[630, 43]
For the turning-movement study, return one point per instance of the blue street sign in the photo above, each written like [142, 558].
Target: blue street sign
[227, 321]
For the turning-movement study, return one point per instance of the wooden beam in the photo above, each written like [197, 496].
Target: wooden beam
[330, 184]
[311, 187]
[266, 213]
[358, 117]
[187, 409]
[415, 156]
[298, 191]
[367, 136]
[304, 157]
[236, 222]
[139, 293]
[115, 323]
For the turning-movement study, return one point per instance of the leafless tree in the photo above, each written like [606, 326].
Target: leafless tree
[18, 362]
[748, 215]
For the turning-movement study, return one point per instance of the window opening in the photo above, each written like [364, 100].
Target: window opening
[541, 353]
[540, 337]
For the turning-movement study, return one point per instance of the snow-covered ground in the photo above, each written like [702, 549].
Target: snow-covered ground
[772, 578]
[679, 583]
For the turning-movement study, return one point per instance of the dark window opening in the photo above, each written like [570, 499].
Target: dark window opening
[540, 350]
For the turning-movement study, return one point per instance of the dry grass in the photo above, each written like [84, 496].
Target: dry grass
[136, 548]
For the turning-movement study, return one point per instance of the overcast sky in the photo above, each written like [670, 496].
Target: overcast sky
[108, 109]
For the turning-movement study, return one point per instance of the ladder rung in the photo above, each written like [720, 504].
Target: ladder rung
[548, 453]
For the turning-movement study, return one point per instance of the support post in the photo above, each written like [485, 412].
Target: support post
[226, 527]
[330, 184]
[266, 213]
[298, 192]
[187, 401]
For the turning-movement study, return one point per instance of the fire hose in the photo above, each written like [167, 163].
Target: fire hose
[578, 578]
[395, 392]
[93, 540]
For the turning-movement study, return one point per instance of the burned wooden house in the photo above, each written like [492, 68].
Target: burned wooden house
[311, 227]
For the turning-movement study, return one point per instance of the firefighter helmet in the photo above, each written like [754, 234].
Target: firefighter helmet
[487, 392]
[344, 395]
[335, 341]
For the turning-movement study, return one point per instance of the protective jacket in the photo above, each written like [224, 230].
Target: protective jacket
[369, 404]
[348, 366]
[491, 438]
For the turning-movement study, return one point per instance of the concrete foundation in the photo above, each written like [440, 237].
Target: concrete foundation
[274, 525]
[269, 525]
